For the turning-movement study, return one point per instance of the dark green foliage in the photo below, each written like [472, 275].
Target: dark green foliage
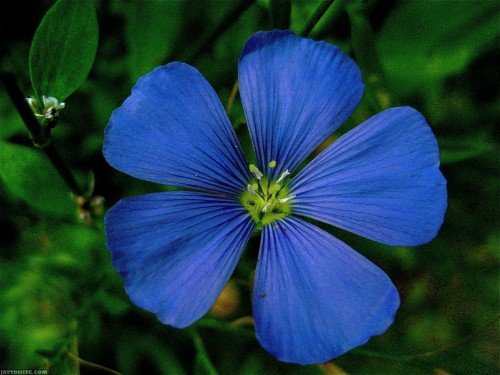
[442, 40]
[58, 291]
[281, 11]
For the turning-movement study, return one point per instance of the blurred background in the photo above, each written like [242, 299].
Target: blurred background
[63, 307]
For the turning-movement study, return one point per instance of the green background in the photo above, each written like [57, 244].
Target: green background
[58, 291]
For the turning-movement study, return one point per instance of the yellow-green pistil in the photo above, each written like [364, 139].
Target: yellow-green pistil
[267, 200]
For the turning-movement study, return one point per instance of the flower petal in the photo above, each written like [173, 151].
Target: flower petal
[295, 93]
[176, 250]
[381, 180]
[314, 297]
[173, 130]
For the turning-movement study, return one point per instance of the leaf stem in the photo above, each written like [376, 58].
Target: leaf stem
[315, 18]
[40, 136]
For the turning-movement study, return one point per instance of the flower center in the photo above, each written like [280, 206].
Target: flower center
[267, 200]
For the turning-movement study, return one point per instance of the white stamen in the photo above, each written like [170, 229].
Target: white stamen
[258, 174]
[283, 176]
[284, 200]
[266, 207]
[251, 190]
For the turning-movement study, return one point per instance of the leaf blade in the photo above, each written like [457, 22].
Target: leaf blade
[63, 48]
[29, 176]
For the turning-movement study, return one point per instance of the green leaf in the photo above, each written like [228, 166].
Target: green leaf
[30, 177]
[280, 10]
[151, 41]
[63, 48]
[426, 41]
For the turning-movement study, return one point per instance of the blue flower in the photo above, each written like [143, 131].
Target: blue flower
[314, 297]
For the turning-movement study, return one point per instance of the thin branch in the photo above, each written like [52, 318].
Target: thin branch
[429, 354]
[232, 97]
[457, 343]
[88, 364]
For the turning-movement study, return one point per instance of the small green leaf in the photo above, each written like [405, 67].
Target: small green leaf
[30, 177]
[426, 41]
[63, 48]
[280, 10]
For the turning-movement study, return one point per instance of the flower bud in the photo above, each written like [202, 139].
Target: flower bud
[228, 302]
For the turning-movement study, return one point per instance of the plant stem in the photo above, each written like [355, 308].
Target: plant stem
[41, 137]
[62, 169]
[202, 354]
[232, 97]
[318, 13]
[459, 342]
[72, 351]
[227, 21]
[429, 354]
